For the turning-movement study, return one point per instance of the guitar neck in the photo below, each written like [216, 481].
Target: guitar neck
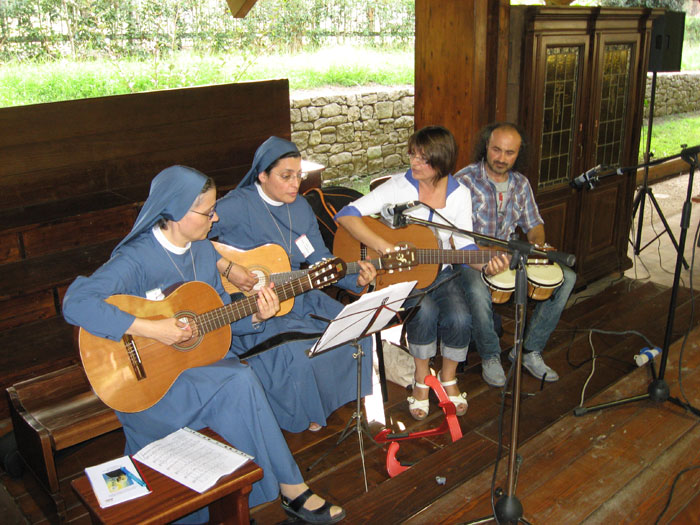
[237, 310]
[355, 267]
[281, 278]
[455, 256]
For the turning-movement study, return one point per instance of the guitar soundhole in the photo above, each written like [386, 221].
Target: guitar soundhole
[190, 344]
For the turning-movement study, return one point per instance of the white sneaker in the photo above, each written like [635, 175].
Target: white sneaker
[492, 372]
[533, 363]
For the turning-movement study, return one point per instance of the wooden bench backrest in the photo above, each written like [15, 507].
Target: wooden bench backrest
[59, 150]
[73, 175]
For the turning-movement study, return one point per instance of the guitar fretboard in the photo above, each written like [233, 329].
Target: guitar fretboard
[308, 279]
[455, 256]
[353, 267]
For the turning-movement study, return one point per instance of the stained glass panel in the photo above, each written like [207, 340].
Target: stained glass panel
[613, 103]
[561, 82]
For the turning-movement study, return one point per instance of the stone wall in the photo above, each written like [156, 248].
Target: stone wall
[354, 134]
[675, 93]
[364, 132]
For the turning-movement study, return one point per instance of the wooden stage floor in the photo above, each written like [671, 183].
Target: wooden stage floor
[610, 466]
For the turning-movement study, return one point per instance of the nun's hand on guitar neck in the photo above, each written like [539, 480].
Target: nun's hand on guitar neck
[367, 273]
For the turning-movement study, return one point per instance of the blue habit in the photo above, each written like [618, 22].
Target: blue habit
[225, 396]
[300, 390]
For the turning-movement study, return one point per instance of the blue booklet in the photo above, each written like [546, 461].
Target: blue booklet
[116, 481]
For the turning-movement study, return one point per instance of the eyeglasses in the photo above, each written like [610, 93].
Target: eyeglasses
[210, 214]
[420, 159]
[287, 176]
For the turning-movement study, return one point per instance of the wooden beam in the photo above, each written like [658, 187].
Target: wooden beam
[240, 8]
[461, 66]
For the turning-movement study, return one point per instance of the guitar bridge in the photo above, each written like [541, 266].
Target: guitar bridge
[134, 358]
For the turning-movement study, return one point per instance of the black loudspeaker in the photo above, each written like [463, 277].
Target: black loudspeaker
[667, 42]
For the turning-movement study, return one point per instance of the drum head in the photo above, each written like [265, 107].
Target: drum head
[545, 275]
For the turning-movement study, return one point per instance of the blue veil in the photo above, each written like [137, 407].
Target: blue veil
[171, 195]
[268, 152]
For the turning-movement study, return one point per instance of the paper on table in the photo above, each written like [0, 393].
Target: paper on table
[116, 481]
[191, 458]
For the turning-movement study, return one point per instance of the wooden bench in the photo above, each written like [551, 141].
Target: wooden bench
[51, 413]
[170, 500]
[73, 177]
[72, 180]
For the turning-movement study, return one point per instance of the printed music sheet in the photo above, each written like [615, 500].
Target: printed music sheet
[191, 458]
[353, 320]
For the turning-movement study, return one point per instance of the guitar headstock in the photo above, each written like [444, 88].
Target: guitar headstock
[327, 272]
[399, 259]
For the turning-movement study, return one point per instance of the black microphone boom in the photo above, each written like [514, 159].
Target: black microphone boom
[392, 214]
[690, 155]
[587, 178]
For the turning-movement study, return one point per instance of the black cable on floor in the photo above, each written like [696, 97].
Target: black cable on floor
[673, 487]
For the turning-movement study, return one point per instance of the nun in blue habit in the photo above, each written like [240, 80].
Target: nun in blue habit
[266, 208]
[168, 245]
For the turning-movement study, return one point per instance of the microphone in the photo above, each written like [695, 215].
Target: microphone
[585, 178]
[690, 155]
[392, 214]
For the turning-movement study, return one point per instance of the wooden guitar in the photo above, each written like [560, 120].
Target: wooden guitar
[278, 270]
[135, 373]
[268, 262]
[420, 257]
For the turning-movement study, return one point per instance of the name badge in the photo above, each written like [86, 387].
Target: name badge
[155, 295]
[304, 245]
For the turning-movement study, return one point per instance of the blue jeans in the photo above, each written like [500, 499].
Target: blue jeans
[538, 328]
[443, 312]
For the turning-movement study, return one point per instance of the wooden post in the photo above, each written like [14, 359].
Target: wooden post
[461, 66]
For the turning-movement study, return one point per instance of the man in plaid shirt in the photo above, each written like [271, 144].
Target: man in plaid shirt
[502, 199]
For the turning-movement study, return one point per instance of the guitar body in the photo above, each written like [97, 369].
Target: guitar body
[263, 261]
[346, 247]
[112, 369]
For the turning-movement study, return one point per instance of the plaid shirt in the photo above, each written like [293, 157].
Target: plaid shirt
[521, 209]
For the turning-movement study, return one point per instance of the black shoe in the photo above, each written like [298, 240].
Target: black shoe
[319, 516]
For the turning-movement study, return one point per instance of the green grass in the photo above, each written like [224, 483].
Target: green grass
[690, 59]
[668, 133]
[22, 83]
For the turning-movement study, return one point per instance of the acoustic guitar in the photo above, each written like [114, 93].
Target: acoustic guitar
[278, 270]
[134, 373]
[421, 258]
[268, 262]
[420, 255]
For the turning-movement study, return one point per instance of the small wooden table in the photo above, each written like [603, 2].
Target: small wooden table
[170, 500]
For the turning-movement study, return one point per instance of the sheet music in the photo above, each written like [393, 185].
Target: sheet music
[350, 323]
[191, 458]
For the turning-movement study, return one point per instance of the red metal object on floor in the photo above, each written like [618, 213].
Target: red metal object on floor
[449, 424]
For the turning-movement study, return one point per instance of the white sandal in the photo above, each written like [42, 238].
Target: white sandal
[419, 404]
[459, 400]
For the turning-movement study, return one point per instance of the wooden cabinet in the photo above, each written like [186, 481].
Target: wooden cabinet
[580, 93]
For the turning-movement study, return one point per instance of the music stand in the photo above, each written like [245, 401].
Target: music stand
[369, 314]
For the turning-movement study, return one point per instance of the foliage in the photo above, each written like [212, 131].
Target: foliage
[51, 29]
[674, 5]
[692, 30]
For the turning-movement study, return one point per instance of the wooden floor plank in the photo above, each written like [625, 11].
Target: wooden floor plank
[558, 449]
[562, 456]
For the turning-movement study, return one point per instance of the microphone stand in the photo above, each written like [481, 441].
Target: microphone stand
[508, 508]
[590, 182]
[658, 389]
